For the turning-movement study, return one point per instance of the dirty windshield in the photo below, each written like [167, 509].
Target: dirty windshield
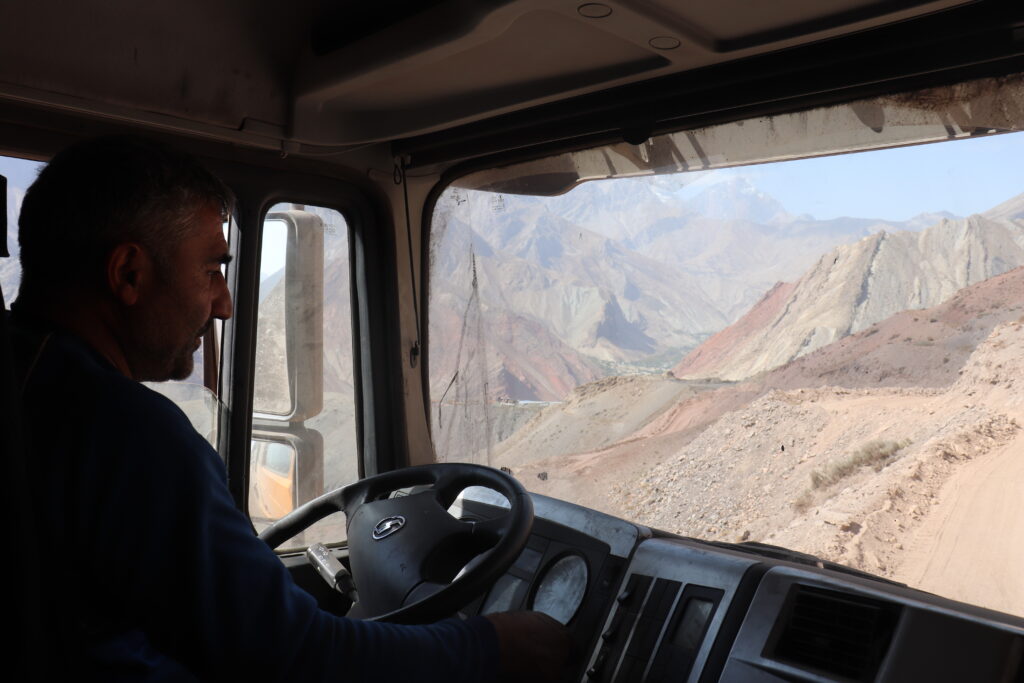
[802, 330]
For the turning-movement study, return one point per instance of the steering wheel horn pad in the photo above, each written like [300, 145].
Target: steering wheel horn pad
[406, 547]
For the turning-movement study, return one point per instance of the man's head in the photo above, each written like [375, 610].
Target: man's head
[133, 229]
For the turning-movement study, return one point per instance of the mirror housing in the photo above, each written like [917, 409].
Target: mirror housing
[303, 317]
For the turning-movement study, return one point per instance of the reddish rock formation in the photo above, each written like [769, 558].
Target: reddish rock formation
[716, 349]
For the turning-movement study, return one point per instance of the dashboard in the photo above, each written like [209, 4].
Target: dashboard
[648, 607]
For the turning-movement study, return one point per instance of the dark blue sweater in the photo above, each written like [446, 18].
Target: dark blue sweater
[159, 576]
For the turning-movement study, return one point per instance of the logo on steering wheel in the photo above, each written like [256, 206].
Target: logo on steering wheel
[388, 526]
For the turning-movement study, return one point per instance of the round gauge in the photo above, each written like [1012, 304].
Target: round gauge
[561, 588]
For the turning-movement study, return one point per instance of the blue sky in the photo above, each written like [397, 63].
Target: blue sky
[962, 176]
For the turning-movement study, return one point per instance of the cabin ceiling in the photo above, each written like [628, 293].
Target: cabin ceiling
[312, 74]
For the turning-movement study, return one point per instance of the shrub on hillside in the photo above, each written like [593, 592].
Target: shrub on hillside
[874, 454]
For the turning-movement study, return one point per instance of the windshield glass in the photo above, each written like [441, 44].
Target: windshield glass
[758, 332]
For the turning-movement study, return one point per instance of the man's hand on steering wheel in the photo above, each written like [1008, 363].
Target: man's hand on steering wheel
[533, 647]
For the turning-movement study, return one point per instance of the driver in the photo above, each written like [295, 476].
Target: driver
[160, 576]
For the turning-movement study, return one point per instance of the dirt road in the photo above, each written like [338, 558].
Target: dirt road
[972, 542]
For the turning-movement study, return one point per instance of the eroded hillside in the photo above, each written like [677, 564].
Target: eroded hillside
[926, 348]
[855, 286]
[871, 478]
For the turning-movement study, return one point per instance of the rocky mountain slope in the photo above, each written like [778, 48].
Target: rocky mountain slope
[912, 349]
[1012, 209]
[857, 285]
[861, 476]
[596, 416]
[590, 291]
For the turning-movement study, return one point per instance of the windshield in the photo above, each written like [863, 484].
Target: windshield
[819, 351]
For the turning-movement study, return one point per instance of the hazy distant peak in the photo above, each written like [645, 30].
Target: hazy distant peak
[928, 219]
[736, 198]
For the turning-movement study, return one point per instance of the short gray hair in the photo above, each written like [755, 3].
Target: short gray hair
[107, 191]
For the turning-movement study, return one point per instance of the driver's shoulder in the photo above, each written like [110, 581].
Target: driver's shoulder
[68, 388]
[152, 423]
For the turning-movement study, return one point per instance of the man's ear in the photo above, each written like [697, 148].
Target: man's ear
[129, 269]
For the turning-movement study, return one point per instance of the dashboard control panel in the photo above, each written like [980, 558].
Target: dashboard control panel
[671, 608]
[648, 607]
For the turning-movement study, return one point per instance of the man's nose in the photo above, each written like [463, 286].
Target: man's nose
[222, 306]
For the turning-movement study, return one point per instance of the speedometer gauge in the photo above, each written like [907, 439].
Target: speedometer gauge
[561, 588]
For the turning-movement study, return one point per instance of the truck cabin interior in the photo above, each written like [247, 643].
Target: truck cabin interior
[363, 129]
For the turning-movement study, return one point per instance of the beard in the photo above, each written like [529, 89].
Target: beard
[181, 365]
[157, 351]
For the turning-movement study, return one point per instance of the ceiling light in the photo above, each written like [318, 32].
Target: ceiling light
[664, 43]
[594, 10]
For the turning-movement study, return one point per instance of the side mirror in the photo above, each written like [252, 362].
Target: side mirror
[289, 351]
[273, 493]
[286, 463]
[284, 471]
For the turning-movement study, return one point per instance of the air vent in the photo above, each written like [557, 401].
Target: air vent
[648, 628]
[613, 640]
[834, 633]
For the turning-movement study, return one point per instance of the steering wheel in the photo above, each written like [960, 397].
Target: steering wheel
[405, 551]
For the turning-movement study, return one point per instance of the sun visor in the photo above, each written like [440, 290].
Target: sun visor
[981, 107]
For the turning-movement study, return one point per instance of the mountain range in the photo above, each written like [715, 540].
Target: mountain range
[618, 276]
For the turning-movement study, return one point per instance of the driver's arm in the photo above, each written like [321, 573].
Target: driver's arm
[533, 647]
[171, 553]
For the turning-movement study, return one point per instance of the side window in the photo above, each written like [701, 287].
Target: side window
[304, 430]
[20, 173]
